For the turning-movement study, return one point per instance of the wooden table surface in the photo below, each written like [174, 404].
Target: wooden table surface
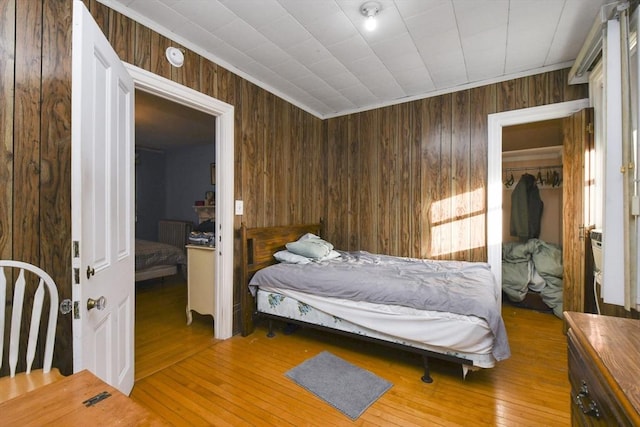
[67, 402]
[614, 343]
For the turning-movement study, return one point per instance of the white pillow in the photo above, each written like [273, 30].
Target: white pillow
[332, 255]
[291, 258]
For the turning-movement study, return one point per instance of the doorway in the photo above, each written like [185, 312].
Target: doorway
[224, 155]
[496, 123]
[174, 148]
[532, 200]
[174, 151]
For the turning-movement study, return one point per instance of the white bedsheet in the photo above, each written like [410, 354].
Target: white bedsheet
[467, 337]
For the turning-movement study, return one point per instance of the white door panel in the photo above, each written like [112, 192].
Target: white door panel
[102, 205]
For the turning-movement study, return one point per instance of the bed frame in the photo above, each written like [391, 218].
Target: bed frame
[258, 247]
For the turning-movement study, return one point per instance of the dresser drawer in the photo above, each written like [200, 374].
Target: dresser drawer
[592, 404]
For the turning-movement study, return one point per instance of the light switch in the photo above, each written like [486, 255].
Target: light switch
[239, 207]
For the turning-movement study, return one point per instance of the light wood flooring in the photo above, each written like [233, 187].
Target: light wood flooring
[188, 378]
[162, 335]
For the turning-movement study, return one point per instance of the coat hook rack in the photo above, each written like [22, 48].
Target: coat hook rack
[545, 175]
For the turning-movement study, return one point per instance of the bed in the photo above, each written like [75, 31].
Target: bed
[165, 257]
[319, 294]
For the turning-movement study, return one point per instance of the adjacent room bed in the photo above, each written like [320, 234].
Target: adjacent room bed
[444, 309]
[166, 257]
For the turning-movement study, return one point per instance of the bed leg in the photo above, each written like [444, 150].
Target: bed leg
[426, 377]
[270, 334]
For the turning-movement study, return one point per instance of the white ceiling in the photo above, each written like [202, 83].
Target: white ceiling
[317, 54]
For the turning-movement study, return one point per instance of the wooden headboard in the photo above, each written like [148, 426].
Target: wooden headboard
[258, 246]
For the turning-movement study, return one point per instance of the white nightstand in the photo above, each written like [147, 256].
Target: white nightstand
[200, 280]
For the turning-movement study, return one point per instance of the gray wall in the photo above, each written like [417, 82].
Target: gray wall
[188, 179]
[150, 193]
[168, 183]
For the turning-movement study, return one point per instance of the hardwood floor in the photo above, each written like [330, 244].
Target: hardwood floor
[162, 335]
[241, 381]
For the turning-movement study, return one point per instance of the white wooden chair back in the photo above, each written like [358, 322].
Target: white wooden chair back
[45, 281]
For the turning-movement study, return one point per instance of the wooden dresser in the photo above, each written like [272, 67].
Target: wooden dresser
[604, 370]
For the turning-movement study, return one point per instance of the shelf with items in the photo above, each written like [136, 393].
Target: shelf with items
[205, 213]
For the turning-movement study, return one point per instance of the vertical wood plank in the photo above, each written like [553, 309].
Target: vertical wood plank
[384, 173]
[340, 194]
[431, 180]
[369, 185]
[483, 100]
[55, 159]
[100, 14]
[122, 35]
[539, 89]
[409, 181]
[460, 191]
[446, 172]
[506, 96]
[208, 78]
[142, 47]
[190, 71]
[521, 94]
[557, 83]
[417, 209]
[351, 210]
[7, 80]
[158, 62]
[294, 162]
[27, 137]
[268, 210]
[278, 145]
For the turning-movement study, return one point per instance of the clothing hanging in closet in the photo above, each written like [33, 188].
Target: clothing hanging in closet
[526, 209]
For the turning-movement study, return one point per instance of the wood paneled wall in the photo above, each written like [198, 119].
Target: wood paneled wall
[411, 179]
[408, 179]
[35, 159]
[279, 148]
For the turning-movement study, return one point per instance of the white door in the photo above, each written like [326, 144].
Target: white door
[102, 206]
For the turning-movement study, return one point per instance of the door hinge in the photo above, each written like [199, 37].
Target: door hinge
[76, 309]
[590, 127]
[76, 276]
[76, 249]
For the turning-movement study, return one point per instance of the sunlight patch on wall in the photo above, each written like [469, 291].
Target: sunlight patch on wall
[458, 223]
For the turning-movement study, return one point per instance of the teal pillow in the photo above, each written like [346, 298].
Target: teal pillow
[311, 248]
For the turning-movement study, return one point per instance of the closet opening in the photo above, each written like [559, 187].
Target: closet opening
[532, 215]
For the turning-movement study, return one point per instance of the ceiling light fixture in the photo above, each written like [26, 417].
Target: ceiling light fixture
[370, 9]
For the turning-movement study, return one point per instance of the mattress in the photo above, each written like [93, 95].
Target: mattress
[151, 254]
[467, 337]
[466, 289]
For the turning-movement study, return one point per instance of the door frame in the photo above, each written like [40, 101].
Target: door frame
[224, 154]
[494, 167]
